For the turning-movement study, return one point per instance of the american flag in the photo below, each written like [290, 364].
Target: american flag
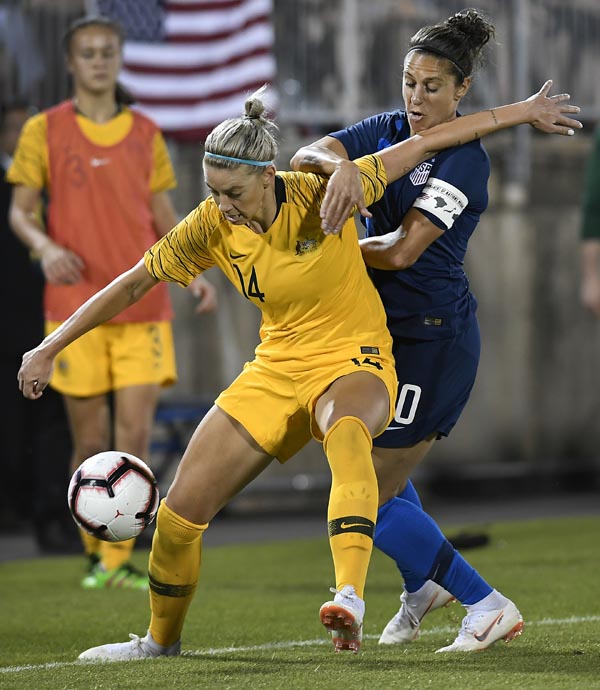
[191, 63]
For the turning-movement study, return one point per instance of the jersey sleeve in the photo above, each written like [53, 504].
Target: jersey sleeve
[304, 189]
[163, 175]
[184, 252]
[363, 137]
[307, 190]
[590, 228]
[457, 180]
[30, 163]
[374, 178]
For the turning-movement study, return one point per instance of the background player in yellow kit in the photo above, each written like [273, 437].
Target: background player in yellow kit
[107, 173]
[323, 366]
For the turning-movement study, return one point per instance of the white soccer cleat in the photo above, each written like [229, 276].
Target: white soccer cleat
[480, 629]
[343, 618]
[136, 648]
[405, 625]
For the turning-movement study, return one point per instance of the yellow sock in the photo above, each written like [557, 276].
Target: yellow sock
[173, 572]
[114, 553]
[353, 501]
[91, 544]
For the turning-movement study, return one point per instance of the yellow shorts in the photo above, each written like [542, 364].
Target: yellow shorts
[114, 356]
[276, 406]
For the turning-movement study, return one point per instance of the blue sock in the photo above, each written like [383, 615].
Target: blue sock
[410, 494]
[413, 540]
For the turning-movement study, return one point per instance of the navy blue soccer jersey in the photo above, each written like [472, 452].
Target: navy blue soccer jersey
[431, 299]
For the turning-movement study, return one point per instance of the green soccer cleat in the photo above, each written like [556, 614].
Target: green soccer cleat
[126, 576]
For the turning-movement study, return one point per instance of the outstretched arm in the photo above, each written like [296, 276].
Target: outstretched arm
[546, 113]
[37, 365]
[344, 192]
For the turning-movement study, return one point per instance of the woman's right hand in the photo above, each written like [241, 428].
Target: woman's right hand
[344, 194]
[35, 372]
[61, 266]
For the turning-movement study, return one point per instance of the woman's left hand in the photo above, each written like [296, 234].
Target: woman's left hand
[206, 293]
[550, 113]
[344, 194]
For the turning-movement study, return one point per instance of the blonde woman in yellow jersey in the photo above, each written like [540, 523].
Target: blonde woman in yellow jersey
[107, 173]
[323, 366]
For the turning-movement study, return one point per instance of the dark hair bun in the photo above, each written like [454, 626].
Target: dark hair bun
[460, 39]
[473, 25]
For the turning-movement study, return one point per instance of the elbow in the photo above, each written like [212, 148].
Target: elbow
[296, 160]
[427, 147]
[133, 292]
[136, 282]
[13, 218]
[400, 261]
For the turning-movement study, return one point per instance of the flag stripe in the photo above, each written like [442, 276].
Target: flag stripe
[193, 106]
[198, 86]
[191, 69]
[209, 23]
[197, 54]
[200, 115]
[203, 37]
[200, 6]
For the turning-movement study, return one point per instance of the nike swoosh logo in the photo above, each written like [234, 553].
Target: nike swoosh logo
[431, 603]
[97, 162]
[236, 256]
[347, 525]
[482, 637]
[395, 427]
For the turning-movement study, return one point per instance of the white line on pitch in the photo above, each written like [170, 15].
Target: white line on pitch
[289, 644]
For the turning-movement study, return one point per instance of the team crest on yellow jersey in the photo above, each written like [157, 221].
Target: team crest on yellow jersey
[306, 247]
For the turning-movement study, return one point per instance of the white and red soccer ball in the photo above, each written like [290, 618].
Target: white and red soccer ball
[113, 496]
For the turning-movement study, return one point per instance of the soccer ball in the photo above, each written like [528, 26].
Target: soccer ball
[113, 496]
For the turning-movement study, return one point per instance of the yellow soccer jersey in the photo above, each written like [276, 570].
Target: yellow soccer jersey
[31, 167]
[313, 289]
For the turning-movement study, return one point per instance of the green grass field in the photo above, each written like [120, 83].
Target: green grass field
[254, 622]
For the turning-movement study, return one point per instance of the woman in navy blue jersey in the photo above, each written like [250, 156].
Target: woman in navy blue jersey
[415, 245]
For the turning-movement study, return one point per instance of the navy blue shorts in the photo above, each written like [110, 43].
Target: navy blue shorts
[435, 378]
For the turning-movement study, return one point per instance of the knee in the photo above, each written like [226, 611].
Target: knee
[347, 431]
[135, 437]
[83, 450]
[348, 446]
[177, 528]
[196, 509]
[389, 486]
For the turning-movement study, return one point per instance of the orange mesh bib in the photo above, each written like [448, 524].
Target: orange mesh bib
[100, 209]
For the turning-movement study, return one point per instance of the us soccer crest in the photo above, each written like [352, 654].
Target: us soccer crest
[420, 174]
